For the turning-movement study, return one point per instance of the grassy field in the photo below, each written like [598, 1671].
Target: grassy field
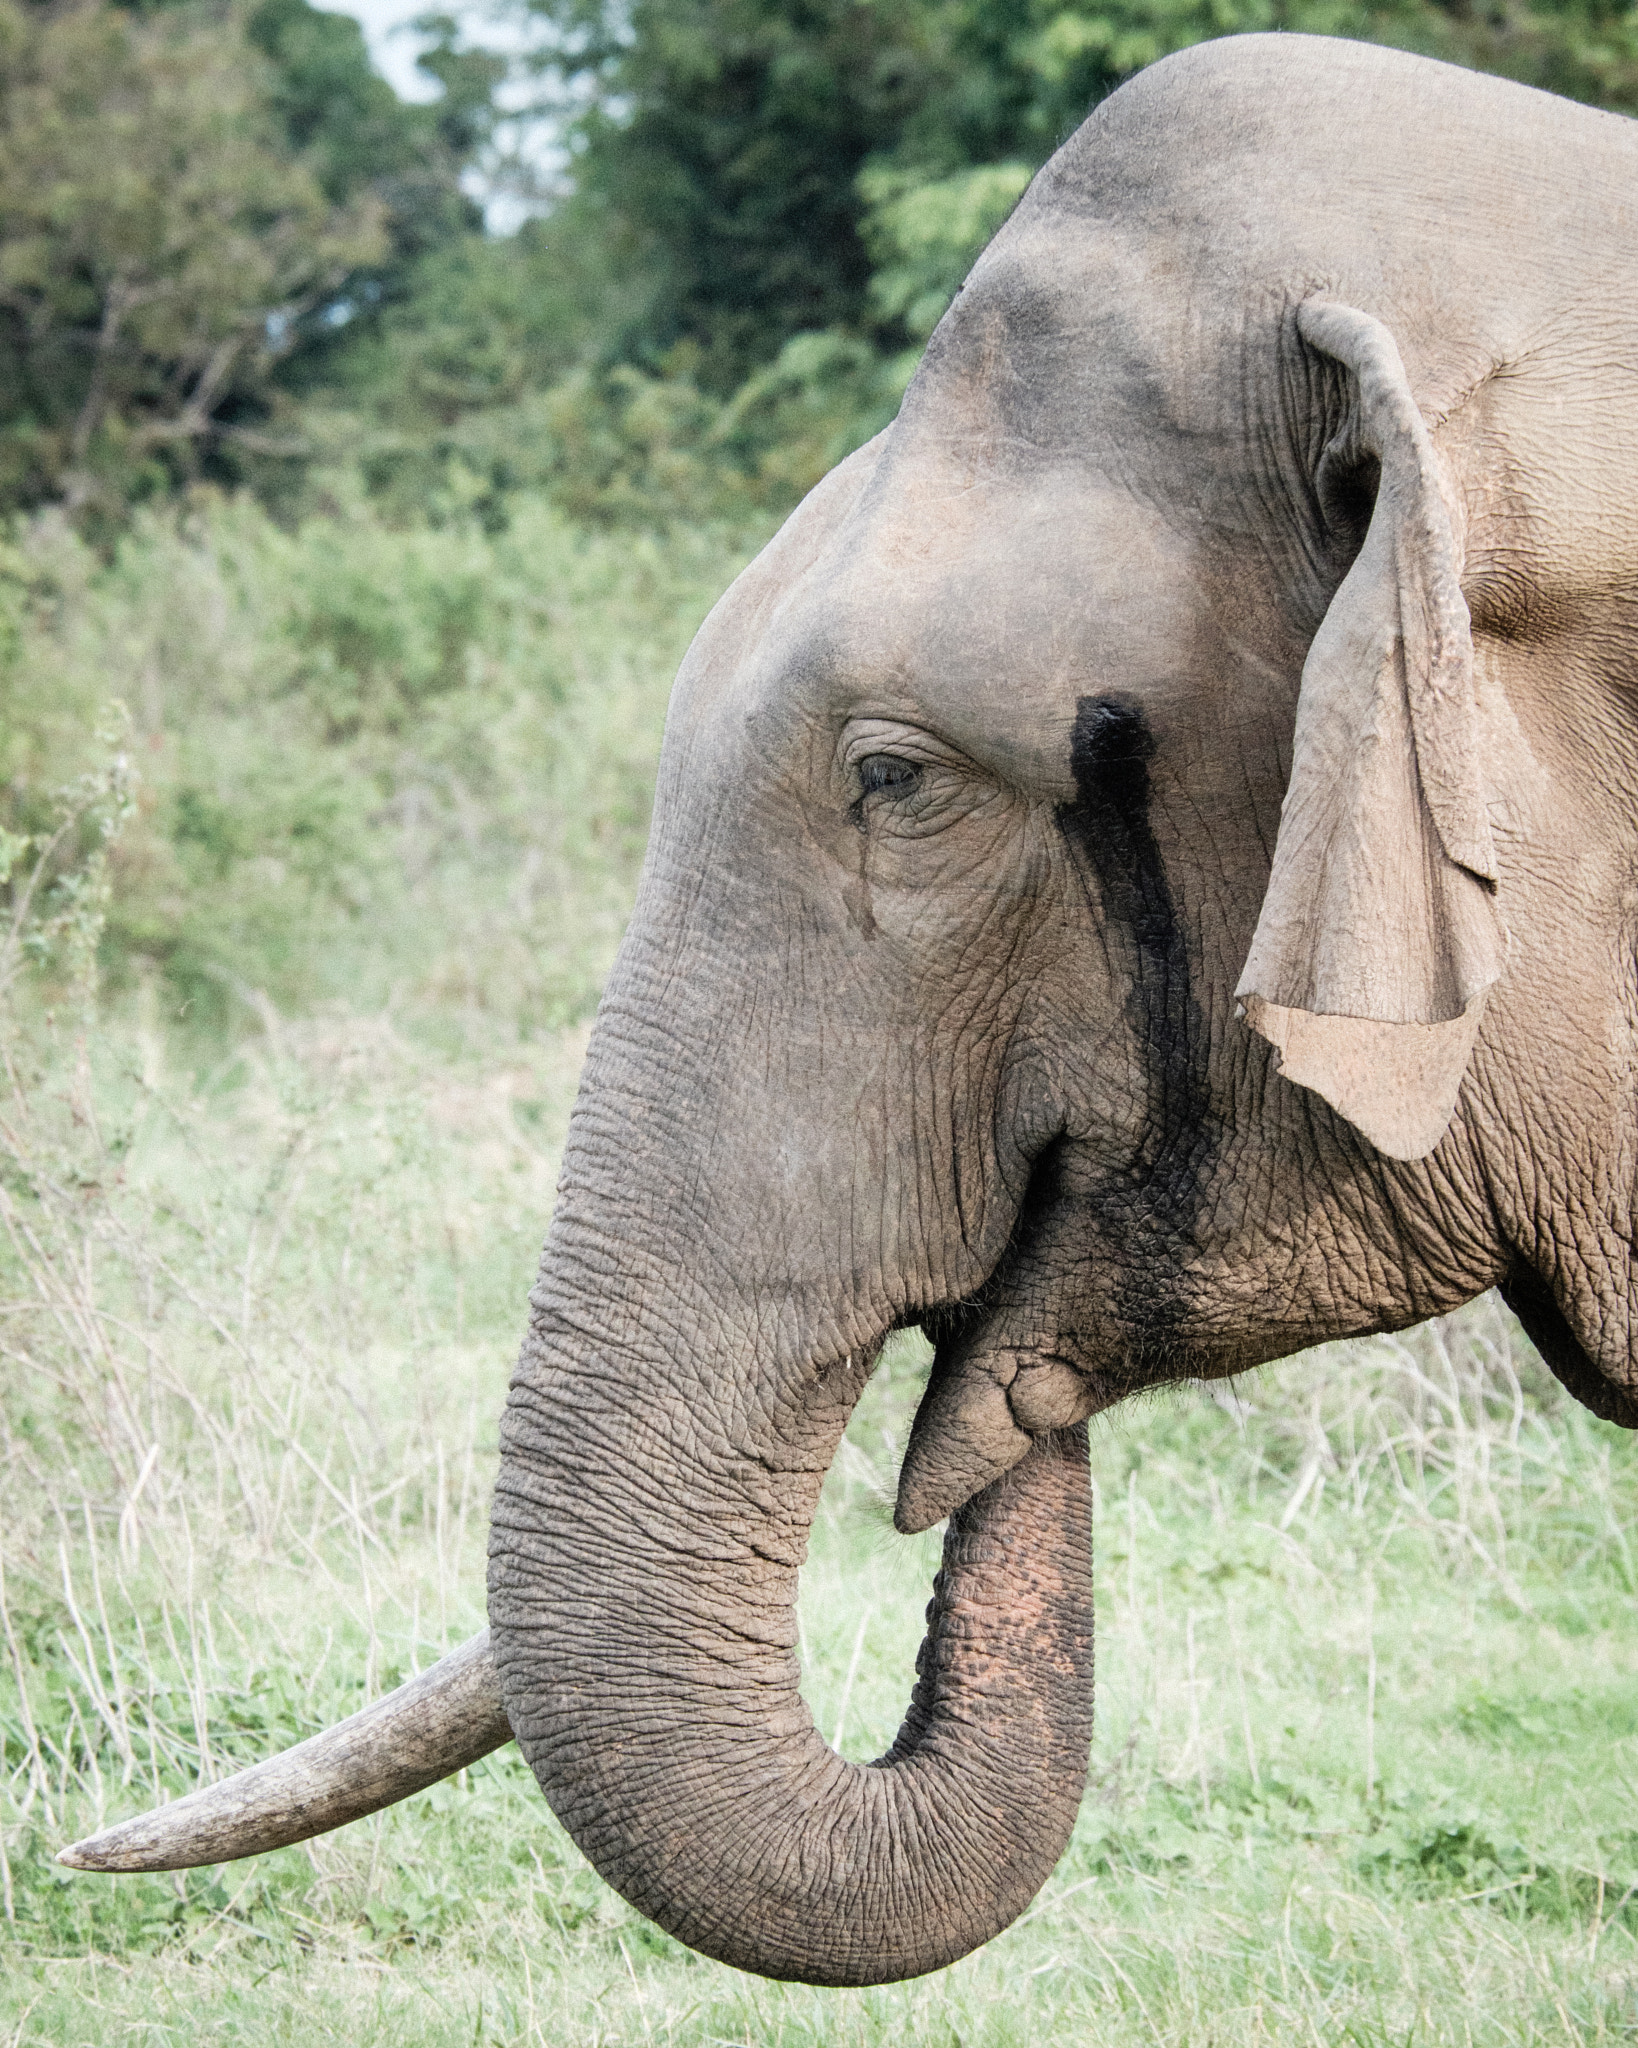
[1368, 1719]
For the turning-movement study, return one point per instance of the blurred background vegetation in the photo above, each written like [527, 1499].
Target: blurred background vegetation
[347, 548]
[255, 335]
[230, 254]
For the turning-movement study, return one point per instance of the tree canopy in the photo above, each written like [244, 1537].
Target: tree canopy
[195, 203]
[229, 252]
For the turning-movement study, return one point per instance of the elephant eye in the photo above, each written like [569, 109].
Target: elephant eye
[889, 774]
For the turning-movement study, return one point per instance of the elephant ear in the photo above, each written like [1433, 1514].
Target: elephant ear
[1379, 936]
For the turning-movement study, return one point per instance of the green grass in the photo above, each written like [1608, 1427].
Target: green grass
[1367, 1712]
[1368, 1707]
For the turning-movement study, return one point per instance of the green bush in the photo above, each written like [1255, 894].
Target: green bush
[371, 765]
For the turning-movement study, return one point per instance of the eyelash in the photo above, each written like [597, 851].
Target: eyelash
[887, 774]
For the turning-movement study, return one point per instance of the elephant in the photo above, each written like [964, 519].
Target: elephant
[1143, 880]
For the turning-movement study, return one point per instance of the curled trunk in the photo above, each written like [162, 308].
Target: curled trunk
[642, 1597]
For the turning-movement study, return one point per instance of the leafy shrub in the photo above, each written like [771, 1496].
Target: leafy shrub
[339, 734]
[925, 237]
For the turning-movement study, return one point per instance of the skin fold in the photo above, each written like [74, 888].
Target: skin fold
[1094, 844]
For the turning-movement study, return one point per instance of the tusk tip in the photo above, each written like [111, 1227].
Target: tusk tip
[145, 1842]
[87, 1855]
[435, 1724]
[129, 1846]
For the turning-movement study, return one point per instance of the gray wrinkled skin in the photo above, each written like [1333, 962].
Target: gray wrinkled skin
[954, 1039]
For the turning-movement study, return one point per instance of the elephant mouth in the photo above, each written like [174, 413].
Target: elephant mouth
[983, 1411]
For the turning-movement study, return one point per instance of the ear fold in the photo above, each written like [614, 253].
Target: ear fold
[1379, 936]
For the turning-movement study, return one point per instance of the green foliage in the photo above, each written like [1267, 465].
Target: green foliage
[723, 138]
[616, 446]
[1069, 57]
[773, 168]
[347, 738]
[480, 323]
[343, 119]
[924, 237]
[275, 274]
[822, 396]
[153, 236]
[55, 884]
[201, 208]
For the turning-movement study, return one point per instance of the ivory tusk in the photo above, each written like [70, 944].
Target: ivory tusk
[428, 1729]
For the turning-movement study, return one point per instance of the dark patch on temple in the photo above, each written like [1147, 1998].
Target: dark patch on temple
[1109, 828]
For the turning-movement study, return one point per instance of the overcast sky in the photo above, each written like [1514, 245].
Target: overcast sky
[395, 54]
[393, 46]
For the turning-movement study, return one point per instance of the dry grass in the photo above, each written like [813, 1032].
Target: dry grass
[1368, 1690]
[1366, 1701]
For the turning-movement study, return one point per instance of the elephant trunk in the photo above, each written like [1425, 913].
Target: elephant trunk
[643, 1580]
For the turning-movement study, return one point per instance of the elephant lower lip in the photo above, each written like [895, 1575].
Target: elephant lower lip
[978, 1418]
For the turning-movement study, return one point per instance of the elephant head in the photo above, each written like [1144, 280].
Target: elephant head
[1112, 884]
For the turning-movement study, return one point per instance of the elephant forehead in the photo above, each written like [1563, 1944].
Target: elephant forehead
[984, 614]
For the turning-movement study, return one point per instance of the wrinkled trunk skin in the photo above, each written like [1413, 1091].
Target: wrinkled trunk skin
[795, 1132]
[649, 1523]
